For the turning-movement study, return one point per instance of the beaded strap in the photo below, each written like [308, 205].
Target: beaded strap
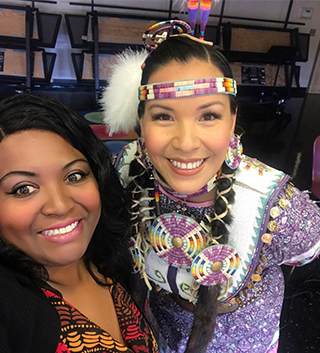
[187, 88]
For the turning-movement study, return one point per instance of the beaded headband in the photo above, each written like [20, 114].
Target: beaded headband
[188, 88]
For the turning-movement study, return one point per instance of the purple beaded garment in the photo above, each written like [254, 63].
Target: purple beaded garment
[273, 224]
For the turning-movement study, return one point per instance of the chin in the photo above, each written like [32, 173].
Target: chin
[186, 190]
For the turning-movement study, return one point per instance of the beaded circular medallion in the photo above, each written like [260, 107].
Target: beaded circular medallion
[215, 265]
[136, 255]
[177, 239]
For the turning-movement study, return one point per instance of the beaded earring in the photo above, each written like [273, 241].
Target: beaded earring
[234, 152]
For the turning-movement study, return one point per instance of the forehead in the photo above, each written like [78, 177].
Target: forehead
[37, 149]
[175, 71]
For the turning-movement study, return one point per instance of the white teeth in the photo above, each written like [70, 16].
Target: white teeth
[60, 231]
[188, 166]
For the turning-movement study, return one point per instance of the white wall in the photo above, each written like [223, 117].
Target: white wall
[259, 9]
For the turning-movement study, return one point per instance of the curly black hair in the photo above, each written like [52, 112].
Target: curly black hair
[108, 249]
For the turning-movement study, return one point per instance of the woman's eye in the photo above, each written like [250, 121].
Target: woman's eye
[23, 190]
[209, 117]
[161, 117]
[76, 177]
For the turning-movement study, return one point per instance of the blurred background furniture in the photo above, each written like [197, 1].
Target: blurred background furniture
[25, 33]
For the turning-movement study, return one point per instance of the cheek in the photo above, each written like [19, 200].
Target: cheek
[90, 199]
[154, 142]
[218, 143]
[16, 221]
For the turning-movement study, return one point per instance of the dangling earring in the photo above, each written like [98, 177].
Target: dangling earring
[234, 152]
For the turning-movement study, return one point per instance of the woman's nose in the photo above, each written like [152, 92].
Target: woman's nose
[57, 201]
[186, 137]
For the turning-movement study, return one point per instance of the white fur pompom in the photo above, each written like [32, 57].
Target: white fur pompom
[120, 98]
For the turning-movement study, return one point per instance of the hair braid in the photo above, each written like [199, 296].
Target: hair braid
[206, 310]
[205, 316]
[225, 197]
[141, 181]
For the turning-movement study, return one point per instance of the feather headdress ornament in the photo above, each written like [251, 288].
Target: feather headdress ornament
[120, 98]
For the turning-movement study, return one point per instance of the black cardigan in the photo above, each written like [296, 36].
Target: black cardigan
[28, 322]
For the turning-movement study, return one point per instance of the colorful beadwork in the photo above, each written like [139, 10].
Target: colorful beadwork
[188, 88]
[136, 255]
[205, 7]
[177, 239]
[234, 152]
[215, 265]
[159, 32]
[193, 12]
[255, 164]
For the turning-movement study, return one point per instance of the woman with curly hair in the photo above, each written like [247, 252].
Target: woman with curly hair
[65, 264]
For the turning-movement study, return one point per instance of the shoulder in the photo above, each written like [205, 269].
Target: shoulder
[126, 154]
[133, 150]
[257, 175]
[9, 283]
[27, 320]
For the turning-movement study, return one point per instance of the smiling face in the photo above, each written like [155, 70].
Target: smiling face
[49, 198]
[187, 138]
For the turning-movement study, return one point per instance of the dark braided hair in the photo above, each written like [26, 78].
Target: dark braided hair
[225, 196]
[183, 50]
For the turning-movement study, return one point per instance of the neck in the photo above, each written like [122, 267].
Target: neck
[70, 276]
[209, 196]
[204, 194]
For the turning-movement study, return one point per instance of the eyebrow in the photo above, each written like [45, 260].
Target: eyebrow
[73, 162]
[203, 106]
[158, 105]
[30, 174]
[207, 105]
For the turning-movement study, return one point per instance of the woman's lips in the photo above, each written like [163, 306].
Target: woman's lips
[186, 165]
[63, 234]
[186, 168]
